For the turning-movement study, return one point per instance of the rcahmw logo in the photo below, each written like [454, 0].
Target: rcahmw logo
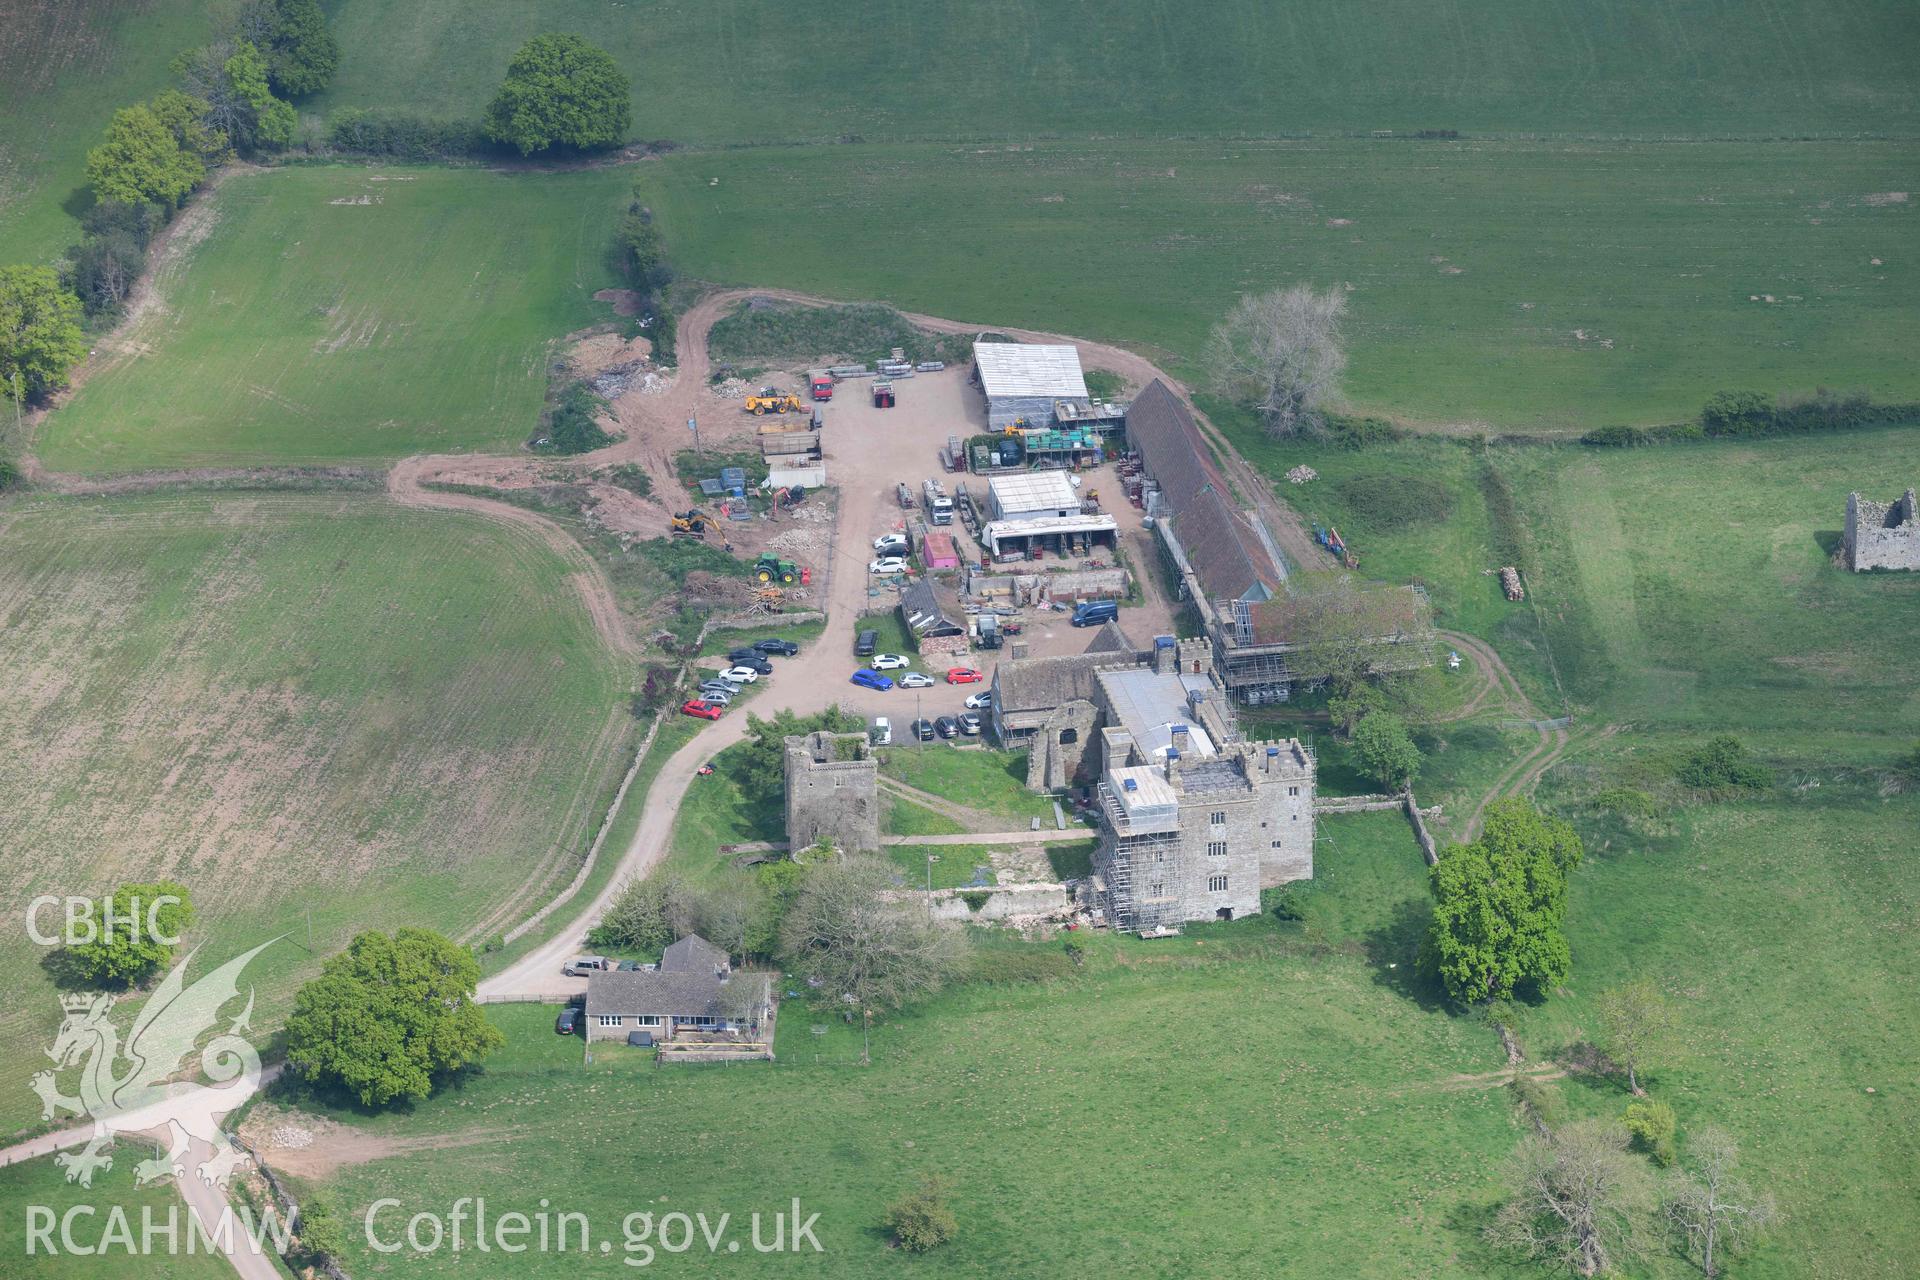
[87, 1231]
[86, 920]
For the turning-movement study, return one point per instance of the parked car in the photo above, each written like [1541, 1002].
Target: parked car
[947, 727]
[740, 675]
[717, 685]
[916, 680]
[785, 648]
[568, 1023]
[867, 678]
[718, 697]
[580, 966]
[969, 724]
[881, 735]
[700, 707]
[962, 675]
[887, 565]
[751, 660]
[865, 643]
[890, 661]
[923, 730]
[1091, 613]
[892, 544]
[982, 701]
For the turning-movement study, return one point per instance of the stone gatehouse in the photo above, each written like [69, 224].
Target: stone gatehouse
[833, 783]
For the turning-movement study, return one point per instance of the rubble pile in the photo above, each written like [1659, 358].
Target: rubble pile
[1302, 473]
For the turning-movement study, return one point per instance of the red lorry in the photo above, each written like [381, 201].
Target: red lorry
[822, 386]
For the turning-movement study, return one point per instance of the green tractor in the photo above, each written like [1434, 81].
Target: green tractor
[771, 568]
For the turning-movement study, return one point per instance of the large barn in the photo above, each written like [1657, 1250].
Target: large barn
[1027, 384]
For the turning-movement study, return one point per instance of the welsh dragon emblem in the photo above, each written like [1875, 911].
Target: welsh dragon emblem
[142, 1095]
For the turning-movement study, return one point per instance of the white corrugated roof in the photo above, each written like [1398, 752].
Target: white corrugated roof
[1030, 369]
[1034, 491]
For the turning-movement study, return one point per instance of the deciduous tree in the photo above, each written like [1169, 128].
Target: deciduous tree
[390, 1017]
[1574, 1197]
[230, 76]
[1500, 906]
[561, 92]
[142, 160]
[867, 949]
[1716, 1212]
[922, 1220]
[1636, 1020]
[301, 52]
[1386, 750]
[132, 943]
[40, 338]
[1281, 354]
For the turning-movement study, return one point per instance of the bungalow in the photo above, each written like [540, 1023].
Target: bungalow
[687, 991]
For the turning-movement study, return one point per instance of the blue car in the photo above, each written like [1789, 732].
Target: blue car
[867, 678]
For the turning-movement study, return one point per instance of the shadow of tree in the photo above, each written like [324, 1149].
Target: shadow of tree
[1393, 949]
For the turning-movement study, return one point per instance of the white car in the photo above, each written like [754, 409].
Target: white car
[916, 680]
[889, 661]
[980, 701]
[891, 544]
[881, 734]
[740, 675]
[888, 565]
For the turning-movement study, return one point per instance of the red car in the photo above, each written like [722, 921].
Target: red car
[962, 675]
[705, 710]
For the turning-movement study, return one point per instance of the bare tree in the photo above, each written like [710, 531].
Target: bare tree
[726, 913]
[1575, 1198]
[743, 998]
[867, 948]
[1714, 1210]
[1280, 353]
[1636, 1021]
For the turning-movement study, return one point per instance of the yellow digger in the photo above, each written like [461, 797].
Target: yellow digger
[773, 400]
[692, 522]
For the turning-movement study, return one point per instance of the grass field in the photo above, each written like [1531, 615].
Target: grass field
[757, 70]
[41, 1182]
[305, 328]
[307, 708]
[1517, 284]
[65, 68]
[1338, 1114]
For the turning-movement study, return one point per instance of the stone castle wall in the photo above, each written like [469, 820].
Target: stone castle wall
[1882, 535]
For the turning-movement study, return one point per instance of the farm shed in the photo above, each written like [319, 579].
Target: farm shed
[1027, 383]
[937, 551]
[1060, 535]
[1033, 495]
[930, 613]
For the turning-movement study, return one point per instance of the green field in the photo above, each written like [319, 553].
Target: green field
[1517, 284]
[42, 1183]
[318, 711]
[758, 70]
[65, 68]
[306, 328]
[1339, 1113]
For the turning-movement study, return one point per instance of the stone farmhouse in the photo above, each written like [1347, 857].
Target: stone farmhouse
[1194, 821]
[682, 993]
[833, 783]
[1882, 535]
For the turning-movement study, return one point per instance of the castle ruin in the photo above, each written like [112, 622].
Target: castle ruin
[1882, 535]
[833, 785]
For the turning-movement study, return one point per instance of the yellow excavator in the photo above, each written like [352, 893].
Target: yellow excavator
[773, 400]
[692, 522]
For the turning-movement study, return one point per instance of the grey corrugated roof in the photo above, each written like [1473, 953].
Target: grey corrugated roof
[1030, 369]
[1225, 551]
[926, 613]
[693, 954]
[1033, 491]
[676, 995]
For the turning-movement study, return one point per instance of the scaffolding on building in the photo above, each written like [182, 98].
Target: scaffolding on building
[1141, 870]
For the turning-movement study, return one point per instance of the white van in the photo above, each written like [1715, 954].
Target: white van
[881, 734]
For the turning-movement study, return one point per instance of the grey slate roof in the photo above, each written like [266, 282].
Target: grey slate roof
[693, 954]
[661, 994]
[926, 613]
[1221, 545]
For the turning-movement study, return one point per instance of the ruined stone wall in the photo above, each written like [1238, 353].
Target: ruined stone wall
[832, 791]
[1882, 535]
[1058, 748]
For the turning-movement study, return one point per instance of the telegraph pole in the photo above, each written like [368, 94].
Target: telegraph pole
[693, 425]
